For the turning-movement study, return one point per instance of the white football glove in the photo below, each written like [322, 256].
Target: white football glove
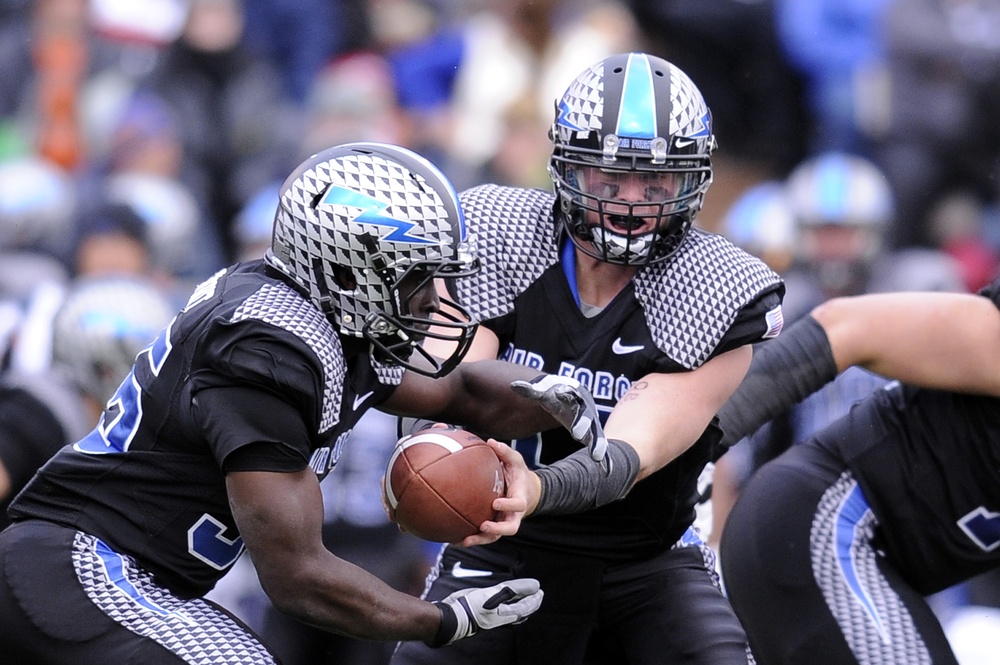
[572, 405]
[465, 612]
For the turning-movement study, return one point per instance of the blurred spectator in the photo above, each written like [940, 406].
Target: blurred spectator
[300, 36]
[38, 200]
[353, 98]
[235, 121]
[142, 168]
[112, 240]
[181, 245]
[255, 221]
[96, 333]
[944, 80]
[65, 76]
[518, 57]
[838, 47]
[957, 226]
[520, 159]
[131, 35]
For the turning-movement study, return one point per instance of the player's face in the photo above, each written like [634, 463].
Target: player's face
[418, 295]
[631, 202]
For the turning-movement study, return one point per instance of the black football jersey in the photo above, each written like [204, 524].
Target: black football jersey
[928, 462]
[39, 414]
[247, 361]
[710, 297]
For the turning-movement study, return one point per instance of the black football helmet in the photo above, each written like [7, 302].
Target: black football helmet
[632, 158]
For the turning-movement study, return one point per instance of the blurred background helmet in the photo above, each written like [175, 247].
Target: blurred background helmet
[172, 217]
[840, 189]
[760, 221]
[353, 223]
[101, 326]
[37, 206]
[842, 205]
[639, 117]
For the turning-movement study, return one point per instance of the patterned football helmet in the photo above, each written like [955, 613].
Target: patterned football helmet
[632, 158]
[101, 326]
[842, 204]
[836, 188]
[361, 228]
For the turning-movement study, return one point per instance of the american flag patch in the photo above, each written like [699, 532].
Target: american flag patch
[775, 321]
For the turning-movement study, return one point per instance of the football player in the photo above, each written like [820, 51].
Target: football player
[606, 280]
[101, 325]
[832, 547]
[216, 440]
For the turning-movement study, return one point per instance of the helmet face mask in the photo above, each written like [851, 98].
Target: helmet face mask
[355, 224]
[631, 160]
[395, 337]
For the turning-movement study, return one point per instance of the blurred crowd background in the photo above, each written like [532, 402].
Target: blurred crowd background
[859, 144]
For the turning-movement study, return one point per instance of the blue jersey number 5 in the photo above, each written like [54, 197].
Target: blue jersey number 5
[123, 413]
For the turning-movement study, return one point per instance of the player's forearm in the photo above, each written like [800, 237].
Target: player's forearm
[783, 372]
[946, 341]
[492, 408]
[577, 483]
[348, 600]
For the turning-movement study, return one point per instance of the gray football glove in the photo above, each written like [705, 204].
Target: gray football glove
[572, 405]
[465, 612]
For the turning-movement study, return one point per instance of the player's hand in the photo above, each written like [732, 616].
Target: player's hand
[468, 611]
[573, 407]
[522, 491]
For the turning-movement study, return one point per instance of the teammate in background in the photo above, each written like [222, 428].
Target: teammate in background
[608, 282]
[217, 439]
[842, 205]
[831, 548]
[97, 332]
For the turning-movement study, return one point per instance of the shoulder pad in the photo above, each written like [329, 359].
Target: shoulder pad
[516, 241]
[691, 300]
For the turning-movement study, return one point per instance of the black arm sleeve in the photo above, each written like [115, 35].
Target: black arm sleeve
[577, 483]
[782, 373]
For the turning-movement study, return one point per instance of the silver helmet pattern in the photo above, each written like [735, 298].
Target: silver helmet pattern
[631, 120]
[357, 220]
[101, 327]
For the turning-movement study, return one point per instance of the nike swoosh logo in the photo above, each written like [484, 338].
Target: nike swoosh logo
[458, 571]
[682, 142]
[624, 349]
[361, 398]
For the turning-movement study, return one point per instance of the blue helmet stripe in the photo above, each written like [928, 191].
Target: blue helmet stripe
[832, 179]
[637, 112]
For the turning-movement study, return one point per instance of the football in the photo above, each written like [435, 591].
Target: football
[440, 484]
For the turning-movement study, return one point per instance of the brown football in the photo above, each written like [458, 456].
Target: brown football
[440, 484]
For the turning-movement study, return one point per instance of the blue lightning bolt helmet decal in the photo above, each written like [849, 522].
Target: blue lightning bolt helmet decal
[371, 213]
[637, 113]
[563, 117]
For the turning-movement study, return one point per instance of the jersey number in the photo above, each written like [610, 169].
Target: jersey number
[123, 413]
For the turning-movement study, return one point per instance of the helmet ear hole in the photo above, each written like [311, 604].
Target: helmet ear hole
[344, 277]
